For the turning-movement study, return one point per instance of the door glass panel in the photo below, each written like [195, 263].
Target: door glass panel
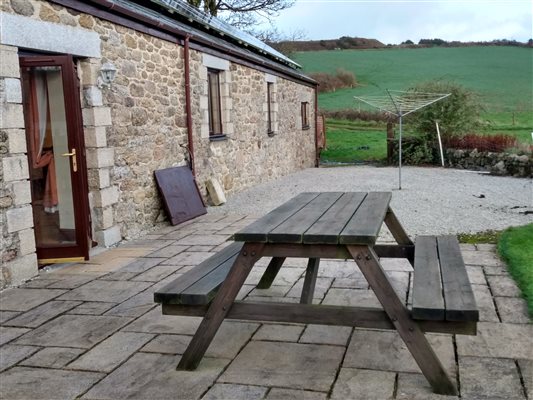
[49, 156]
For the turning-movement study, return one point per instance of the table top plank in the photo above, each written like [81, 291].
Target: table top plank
[327, 228]
[258, 230]
[293, 228]
[364, 226]
[458, 294]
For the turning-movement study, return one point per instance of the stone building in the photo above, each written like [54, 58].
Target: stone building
[79, 150]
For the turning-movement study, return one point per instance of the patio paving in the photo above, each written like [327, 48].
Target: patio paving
[92, 331]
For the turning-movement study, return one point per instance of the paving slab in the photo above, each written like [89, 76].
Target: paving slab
[364, 384]
[272, 291]
[133, 269]
[12, 354]
[325, 334]
[40, 314]
[476, 275]
[526, 370]
[489, 378]
[485, 304]
[110, 353]
[188, 258]
[156, 273]
[289, 365]
[289, 394]
[155, 322]
[106, 291]
[396, 264]
[135, 306]
[168, 344]
[7, 334]
[154, 376]
[321, 287]
[7, 315]
[18, 299]
[52, 357]
[225, 391]
[339, 269]
[358, 282]
[288, 276]
[416, 387]
[92, 308]
[279, 332]
[69, 281]
[351, 297]
[168, 251]
[498, 340]
[83, 331]
[503, 286]
[484, 258]
[496, 270]
[230, 338]
[386, 351]
[203, 239]
[512, 310]
[37, 383]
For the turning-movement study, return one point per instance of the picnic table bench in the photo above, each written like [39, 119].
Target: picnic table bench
[339, 226]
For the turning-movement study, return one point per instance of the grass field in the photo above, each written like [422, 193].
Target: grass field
[500, 75]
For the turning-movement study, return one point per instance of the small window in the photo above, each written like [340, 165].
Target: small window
[305, 115]
[215, 109]
[270, 108]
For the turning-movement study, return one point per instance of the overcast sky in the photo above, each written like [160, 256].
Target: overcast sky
[394, 21]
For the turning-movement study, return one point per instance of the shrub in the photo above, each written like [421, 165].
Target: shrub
[494, 143]
[329, 83]
[457, 114]
[417, 150]
[351, 114]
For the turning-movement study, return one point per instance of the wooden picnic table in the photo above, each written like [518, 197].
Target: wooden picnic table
[333, 225]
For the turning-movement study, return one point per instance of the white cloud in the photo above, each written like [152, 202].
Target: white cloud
[394, 21]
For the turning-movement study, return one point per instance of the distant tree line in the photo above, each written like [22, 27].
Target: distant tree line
[456, 43]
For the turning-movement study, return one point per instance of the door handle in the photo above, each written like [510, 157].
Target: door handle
[74, 159]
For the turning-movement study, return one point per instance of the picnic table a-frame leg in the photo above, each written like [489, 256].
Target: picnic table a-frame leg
[409, 331]
[220, 306]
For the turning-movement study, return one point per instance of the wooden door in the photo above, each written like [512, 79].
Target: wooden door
[56, 155]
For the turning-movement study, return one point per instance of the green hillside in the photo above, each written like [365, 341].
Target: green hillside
[502, 76]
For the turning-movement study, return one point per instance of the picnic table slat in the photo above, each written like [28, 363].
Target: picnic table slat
[428, 301]
[203, 291]
[170, 293]
[458, 294]
[258, 230]
[328, 227]
[293, 228]
[364, 226]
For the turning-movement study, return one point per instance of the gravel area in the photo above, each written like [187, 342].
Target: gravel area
[432, 200]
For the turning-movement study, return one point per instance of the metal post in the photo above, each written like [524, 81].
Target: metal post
[400, 156]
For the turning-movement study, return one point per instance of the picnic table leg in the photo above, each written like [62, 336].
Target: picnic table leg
[220, 306]
[311, 274]
[396, 228]
[270, 273]
[409, 331]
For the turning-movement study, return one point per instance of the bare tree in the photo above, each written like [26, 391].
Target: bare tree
[242, 14]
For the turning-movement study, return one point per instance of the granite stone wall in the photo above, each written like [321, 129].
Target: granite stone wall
[138, 125]
[518, 165]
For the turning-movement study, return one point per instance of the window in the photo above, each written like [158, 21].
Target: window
[215, 109]
[270, 109]
[305, 115]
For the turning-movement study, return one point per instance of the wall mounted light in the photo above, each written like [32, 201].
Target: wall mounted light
[107, 75]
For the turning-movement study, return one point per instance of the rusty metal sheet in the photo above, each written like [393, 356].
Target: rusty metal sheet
[181, 197]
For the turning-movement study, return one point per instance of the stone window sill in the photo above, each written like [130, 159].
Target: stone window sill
[218, 138]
